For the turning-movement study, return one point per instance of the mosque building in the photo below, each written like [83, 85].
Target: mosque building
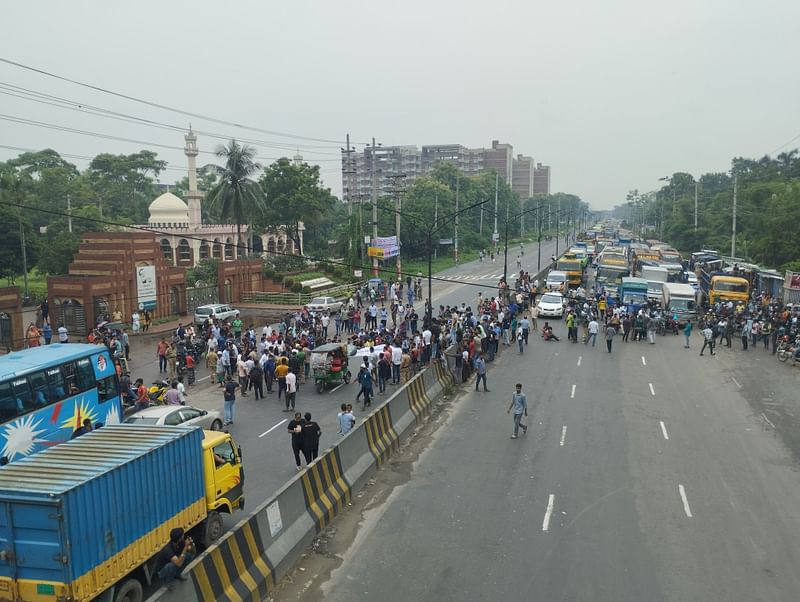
[185, 239]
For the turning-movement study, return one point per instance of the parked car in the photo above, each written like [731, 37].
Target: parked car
[210, 420]
[551, 305]
[216, 311]
[318, 304]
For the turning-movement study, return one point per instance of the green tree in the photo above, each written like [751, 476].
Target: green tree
[294, 194]
[239, 198]
[124, 185]
[15, 225]
[59, 245]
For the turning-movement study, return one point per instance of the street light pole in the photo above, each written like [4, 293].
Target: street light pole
[374, 210]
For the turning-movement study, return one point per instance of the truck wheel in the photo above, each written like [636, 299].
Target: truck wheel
[216, 425]
[130, 591]
[212, 529]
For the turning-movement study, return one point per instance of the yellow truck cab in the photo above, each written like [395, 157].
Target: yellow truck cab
[571, 264]
[224, 480]
[728, 288]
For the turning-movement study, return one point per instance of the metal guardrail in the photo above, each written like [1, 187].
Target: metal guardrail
[338, 292]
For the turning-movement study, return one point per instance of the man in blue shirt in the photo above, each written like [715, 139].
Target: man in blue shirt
[480, 369]
[519, 403]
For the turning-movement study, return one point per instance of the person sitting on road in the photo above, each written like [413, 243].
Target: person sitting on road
[547, 333]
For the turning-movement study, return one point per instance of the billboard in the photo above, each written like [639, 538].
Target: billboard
[388, 244]
[146, 287]
[792, 281]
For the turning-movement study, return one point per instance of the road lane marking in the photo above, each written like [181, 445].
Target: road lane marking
[768, 421]
[644, 361]
[572, 395]
[273, 428]
[563, 435]
[664, 430]
[337, 388]
[686, 508]
[652, 390]
[580, 357]
[204, 378]
[736, 382]
[548, 513]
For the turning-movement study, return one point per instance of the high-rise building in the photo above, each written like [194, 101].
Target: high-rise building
[541, 179]
[522, 176]
[389, 161]
[500, 158]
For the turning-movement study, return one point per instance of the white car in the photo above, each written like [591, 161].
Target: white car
[324, 303]
[551, 305]
[171, 415]
[216, 311]
[691, 278]
[555, 280]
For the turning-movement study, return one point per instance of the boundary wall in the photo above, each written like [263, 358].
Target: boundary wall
[248, 561]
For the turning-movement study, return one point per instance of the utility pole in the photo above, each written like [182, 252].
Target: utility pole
[348, 173]
[733, 228]
[69, 215]
[495, 234]
[24, 253]
[374, 209]
[436, 222]
[397, 190]
[695, 204]
[455, 240]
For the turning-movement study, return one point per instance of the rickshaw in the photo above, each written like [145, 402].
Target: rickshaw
[329, 365]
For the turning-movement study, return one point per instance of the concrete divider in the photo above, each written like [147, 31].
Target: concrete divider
[252, 557]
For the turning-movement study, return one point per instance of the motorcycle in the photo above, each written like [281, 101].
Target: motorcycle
[786, 348]
[157, 391]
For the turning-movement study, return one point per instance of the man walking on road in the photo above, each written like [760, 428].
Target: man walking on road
[519, 403]
[480, 369]
[610, 332]
[594, 328]
[525, 325]
[687, 333]
[708, 339]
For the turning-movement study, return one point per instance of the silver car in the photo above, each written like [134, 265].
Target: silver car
[324, 303]
[210, 420]
[217, 311]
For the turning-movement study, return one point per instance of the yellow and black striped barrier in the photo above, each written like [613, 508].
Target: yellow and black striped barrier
[418, 399]
[325, 490]
[235, 568]
[381, 436]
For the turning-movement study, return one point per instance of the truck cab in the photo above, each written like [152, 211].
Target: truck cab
[572, 265]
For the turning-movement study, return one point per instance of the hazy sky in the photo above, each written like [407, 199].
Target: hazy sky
[613, 95]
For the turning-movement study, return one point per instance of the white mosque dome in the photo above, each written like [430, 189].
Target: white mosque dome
[169, 208]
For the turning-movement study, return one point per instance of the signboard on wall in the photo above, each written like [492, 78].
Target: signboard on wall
[792, 281]
[146, 287]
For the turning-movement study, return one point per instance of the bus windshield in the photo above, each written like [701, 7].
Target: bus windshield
[47, 392]
[611, 275]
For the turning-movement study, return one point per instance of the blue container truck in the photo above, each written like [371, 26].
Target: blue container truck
[85, 520]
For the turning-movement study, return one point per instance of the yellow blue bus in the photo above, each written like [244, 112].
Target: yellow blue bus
[47, 392]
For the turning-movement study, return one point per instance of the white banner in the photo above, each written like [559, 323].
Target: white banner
[146, 286]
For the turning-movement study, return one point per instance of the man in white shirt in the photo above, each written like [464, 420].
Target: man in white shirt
[63, 334]
[594, 328]
[397, 359]
[291, 390]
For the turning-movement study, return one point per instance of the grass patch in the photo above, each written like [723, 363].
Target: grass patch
[442, 262]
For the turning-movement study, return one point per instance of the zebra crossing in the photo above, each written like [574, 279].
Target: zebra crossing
[473, 277]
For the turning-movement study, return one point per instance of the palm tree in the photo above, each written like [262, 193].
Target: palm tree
[238, 195]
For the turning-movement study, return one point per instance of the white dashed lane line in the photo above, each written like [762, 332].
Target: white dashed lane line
[686, 508]
[644, 361]
[563, 436]
[548, 513]
[736, 382]
[580, 357]
[267, 432]
[664, 430]
[572, 395]
[652, 390]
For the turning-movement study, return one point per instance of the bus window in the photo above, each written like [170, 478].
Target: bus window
[58, 388]
[22, 395]
[8, 404]
[84, 375]
[107, 388]
[41, 392]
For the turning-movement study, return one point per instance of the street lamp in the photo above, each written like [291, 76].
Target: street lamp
[429, 230]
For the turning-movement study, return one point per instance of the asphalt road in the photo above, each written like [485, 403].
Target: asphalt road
[647, 474]
[260, 427]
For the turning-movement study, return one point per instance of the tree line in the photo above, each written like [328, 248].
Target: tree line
[39, 191]
[767, 210]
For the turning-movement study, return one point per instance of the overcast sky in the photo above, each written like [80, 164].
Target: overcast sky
[612, 95]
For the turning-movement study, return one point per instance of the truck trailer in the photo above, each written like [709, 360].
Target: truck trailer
[85, 520]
